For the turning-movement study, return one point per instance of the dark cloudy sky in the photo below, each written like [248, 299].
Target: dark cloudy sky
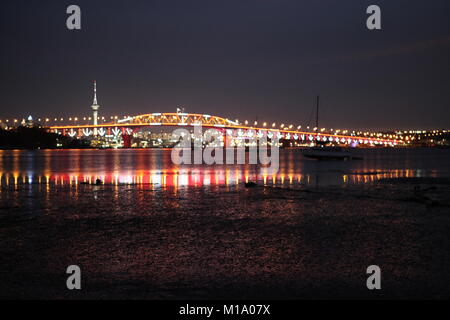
[235, 58]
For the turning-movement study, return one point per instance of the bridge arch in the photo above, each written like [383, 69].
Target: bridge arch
[175, 119]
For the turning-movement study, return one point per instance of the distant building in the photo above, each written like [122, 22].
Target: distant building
[30, 122]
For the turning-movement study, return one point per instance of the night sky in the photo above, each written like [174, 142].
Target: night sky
[244, 59]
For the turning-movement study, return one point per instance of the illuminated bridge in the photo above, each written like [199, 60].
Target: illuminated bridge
[126, 127]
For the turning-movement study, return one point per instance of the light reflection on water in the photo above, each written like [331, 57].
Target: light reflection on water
[175, 234]
[154, 168]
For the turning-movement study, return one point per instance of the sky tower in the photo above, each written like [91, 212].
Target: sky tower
[95, 106]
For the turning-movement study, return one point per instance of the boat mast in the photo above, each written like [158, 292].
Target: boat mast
[317, 119]
[317, 113]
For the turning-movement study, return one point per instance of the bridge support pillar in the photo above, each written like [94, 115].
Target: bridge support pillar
[224, 135]
[126, 141]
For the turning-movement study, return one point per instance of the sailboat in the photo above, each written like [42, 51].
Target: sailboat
[322, 152]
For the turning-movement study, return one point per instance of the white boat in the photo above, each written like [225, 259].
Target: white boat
[322, 152]
[329, 153]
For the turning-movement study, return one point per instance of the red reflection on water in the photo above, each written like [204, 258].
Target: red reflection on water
[155, 168]
[185, 178]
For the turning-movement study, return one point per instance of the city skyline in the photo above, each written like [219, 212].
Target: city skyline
[94, 119]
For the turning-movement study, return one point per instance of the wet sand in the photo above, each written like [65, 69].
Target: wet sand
[227, 242]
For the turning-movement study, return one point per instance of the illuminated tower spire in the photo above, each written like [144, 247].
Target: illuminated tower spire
[95, 106]
[95, 93]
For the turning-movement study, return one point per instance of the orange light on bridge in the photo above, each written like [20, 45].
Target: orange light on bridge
[158, 119]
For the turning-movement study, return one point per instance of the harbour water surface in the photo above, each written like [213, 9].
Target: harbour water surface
[159, 231]
[154, 167]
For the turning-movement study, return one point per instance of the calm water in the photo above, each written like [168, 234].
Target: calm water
[158, 231]
[154, 167]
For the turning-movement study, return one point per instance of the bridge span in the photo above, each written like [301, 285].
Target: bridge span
[125, 128]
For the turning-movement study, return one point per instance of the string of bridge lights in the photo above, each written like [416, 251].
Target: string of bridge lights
[405, 135]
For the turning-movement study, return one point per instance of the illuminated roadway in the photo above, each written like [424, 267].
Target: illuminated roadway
[129, 125]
